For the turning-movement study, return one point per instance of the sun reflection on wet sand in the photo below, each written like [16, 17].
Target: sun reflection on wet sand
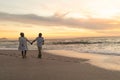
[110, 62]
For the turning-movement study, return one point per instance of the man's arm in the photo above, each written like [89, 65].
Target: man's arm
[33, 41]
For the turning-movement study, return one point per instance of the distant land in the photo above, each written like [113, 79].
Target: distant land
[3, 38]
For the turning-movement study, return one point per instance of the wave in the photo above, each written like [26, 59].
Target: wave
[83, 42]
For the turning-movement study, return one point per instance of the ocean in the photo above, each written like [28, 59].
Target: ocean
[95, 45]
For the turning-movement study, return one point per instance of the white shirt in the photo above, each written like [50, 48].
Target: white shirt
[40, 41]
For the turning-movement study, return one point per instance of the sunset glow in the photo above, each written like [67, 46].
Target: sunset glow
[59, 18]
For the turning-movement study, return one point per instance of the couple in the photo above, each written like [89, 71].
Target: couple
[23, 44]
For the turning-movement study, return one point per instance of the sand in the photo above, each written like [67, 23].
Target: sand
[50, 67]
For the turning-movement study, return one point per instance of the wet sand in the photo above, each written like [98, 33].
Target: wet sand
[51, 67]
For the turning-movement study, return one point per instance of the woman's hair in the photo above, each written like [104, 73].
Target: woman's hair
[22, 34]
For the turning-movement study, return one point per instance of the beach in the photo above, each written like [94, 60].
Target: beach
[53, 66]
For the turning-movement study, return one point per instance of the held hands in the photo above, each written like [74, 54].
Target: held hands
[31, 43]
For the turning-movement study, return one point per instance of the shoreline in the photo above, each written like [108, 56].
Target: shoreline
[51, 67]
[109, 62]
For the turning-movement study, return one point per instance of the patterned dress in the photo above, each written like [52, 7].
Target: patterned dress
[22, 44]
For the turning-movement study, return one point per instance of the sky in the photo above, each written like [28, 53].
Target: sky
[59, 18]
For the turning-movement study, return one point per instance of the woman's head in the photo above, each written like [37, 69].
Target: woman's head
[22, 34]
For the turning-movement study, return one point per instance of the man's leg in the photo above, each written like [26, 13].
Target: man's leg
[39, 52]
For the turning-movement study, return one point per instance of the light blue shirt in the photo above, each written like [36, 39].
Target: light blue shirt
[40, 41]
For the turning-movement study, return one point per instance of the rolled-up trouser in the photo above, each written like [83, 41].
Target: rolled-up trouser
[39, 52]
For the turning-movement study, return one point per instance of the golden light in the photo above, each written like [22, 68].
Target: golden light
[106, 13]
[76, 15]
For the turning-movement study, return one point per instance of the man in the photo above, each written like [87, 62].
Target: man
[40, 42]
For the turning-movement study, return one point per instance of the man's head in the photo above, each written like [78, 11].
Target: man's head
[40, 34]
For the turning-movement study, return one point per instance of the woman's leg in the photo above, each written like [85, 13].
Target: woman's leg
[22, 54]
[25, 53]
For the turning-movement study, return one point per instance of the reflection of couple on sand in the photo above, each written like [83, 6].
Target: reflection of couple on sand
[23, 44]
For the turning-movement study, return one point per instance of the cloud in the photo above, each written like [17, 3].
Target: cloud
[8, 31]
[60, 15]
[60, 20]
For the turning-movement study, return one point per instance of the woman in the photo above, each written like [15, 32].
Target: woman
[23, 44]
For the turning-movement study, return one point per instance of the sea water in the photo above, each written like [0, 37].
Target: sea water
[100, 45]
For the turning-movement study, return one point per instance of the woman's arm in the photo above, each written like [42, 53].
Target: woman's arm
[28, 40]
